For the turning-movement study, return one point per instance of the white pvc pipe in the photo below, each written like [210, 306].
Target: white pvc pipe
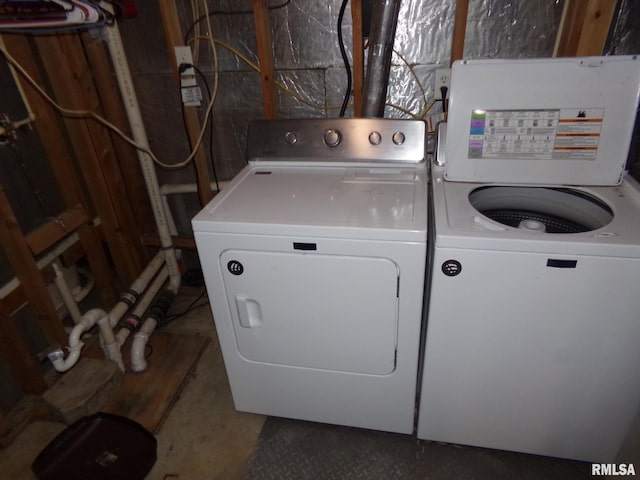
[139, 285]
[109, 343]
[80, 293]
[87, 321]
[65, 293]
[130, 100]
[138, 362]
[143, 304]
[140, 339]
[108, 340]
[42, 262]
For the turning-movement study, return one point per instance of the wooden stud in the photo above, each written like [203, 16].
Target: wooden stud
[126, 156]
[358, 56]
[459, 30]
[55, 230]
[14, 244]
[22, 364]
[584, 27]
[47, 124]
[180, 242]
[93, 150]
[49, 129]
[173, 34]
[265, 57]
[108, 165]
[17, 299]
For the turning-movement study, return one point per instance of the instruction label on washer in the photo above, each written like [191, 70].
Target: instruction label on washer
[549, 134]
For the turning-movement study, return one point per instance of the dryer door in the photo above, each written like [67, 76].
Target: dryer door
[317, 311]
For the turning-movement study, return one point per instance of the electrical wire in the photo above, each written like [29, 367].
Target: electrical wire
[191, 307]
[214, 52]
[280, 85]
[427, 105]
[70, 113]
[345, 59]
[226, 12]
[211, 156]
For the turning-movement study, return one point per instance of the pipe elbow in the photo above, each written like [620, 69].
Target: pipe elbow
[62, 364]
[114, 354]
[138, 362]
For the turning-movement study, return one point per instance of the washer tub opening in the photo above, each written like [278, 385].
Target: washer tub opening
[542, 209]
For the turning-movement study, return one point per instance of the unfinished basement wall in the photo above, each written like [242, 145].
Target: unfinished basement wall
[308, 63]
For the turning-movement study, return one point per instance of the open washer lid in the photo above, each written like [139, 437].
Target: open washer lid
[542, 121]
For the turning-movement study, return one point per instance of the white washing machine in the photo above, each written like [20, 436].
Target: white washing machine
[314, 261]
[533, 333]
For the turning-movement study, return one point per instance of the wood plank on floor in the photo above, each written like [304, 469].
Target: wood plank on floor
[148, 397]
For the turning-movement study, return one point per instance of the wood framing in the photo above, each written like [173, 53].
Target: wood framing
[19, 256]
[49, 129]
[56, 229]
[358, 56]
[584, 27]
[126, 156]
[265, 57]
[173, 34]
[93, 149]
[22, 364]
[459, 30]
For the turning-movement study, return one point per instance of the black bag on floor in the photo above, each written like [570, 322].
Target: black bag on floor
[98, 447]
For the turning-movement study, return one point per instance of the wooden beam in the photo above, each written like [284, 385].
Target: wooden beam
[126, 156]
[17, 298]
[22, 364]
[459, 30]
[55, 230]
[19, 256]
[179, 242]
[265, 57]
[173, 34]
[49, 130]
[63, 61]
[358, 56]
[584, 27]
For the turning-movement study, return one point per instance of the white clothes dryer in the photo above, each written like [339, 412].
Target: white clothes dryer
[534, 312]
[314, 261]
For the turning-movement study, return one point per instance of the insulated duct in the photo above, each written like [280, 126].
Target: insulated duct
[384, 19]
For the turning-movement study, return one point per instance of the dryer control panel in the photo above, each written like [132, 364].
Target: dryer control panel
[352, 140]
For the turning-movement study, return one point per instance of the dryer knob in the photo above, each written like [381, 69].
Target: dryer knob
[290, 138]
[332, 137]
[398, 138]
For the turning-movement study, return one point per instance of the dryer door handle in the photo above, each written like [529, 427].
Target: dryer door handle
[249, 311]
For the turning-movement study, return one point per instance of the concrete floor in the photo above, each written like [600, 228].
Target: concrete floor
[203, 437]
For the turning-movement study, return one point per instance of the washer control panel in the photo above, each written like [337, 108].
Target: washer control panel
[352, 140]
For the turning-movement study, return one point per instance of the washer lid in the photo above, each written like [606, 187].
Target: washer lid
[542, 121]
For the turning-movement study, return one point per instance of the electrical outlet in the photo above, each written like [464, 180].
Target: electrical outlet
[443, 78]
[189, 90]
[183, 55]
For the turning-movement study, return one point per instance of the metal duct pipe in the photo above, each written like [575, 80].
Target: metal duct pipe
[384, 19]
